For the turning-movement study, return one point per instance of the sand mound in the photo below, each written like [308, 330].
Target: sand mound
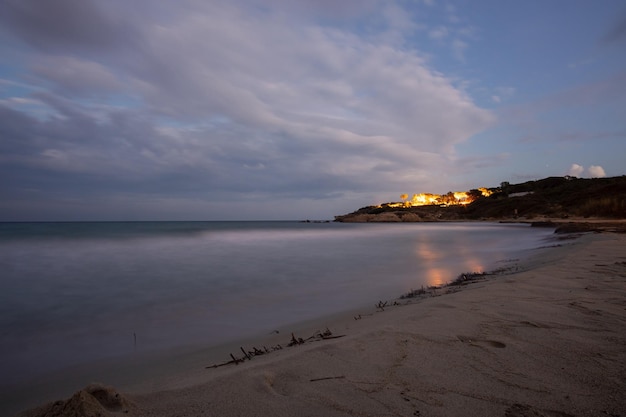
[95, 400]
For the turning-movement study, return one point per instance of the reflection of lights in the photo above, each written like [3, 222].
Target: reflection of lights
[426, 253]
[472, 265]
[436, 276]
[434, 273]
[469, 261]
[428, 256]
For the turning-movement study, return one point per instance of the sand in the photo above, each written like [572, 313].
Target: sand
[547, 338]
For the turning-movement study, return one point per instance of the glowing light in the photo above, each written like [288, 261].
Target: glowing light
[450, 199]
[425, 199]
[485, 192]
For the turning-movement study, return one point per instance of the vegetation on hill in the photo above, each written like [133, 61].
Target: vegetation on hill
[555, 197]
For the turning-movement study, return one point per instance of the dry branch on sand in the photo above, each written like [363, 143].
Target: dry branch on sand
[295, 341]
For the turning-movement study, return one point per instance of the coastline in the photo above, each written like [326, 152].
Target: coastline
[491, 348]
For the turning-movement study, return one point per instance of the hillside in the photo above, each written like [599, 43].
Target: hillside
[553, 197]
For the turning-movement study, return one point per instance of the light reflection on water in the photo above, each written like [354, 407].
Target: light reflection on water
[82, 294]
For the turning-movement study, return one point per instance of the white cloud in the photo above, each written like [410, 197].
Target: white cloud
[398, 18]
[452, 14]
[596, 171]
[438, 33]
[458, 49]
[505, 92]
[576, 170]
[386, 100]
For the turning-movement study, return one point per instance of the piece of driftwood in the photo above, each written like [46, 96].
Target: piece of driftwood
[233, 360]
[326, 378]
[295, 341]
[467, 278]
[333, 337]
[327, 335]
[245, 353]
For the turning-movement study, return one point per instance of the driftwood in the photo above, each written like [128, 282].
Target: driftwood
[326, 378]
[468, 277]
[333, 337]
[248, 355]
[295, 341]
[245, 354]
[360, 316]
[430, 290]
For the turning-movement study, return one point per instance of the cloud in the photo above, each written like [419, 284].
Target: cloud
[217, 99]
[617, 33]
[596, 171]
[76, 77]
[55, 25]
[438, 33]
[458, 49]
[576, 170]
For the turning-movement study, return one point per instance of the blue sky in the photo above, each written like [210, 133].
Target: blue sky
[276, 109]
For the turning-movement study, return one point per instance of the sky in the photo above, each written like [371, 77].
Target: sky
[289, 110]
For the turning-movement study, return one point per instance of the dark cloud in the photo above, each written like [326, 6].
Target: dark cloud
[59, 24]
[15, 140]
[617, 33]
[123, 150]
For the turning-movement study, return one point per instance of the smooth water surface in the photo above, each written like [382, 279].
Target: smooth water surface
[76, 292]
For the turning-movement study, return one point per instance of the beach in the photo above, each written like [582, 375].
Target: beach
[546, 337]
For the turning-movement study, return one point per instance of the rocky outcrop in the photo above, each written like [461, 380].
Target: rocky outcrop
[554, 198]
[387, 217]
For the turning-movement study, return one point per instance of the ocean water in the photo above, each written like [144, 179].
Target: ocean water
[77, 292]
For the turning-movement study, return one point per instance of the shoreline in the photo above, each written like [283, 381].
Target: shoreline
[368, 343]
[129, 371]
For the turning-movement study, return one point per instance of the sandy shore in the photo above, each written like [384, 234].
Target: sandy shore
[547, 340]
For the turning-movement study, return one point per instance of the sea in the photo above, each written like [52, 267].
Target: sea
[77, 292]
